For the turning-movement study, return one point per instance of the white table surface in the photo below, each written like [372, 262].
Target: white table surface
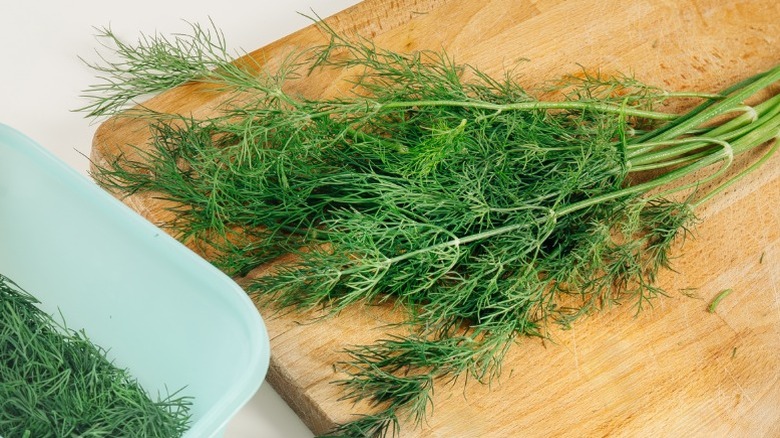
[41, 78]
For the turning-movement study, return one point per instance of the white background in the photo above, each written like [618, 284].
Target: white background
[41, 78]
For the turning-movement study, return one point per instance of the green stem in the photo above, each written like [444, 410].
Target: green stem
[740, 175]
[457, 241]
[744, 120]
[683, 94]
[753, 128]
[688, 158]
[531, 106]
[724, 154]
[674, 148]
[712, 109]
[718, 298]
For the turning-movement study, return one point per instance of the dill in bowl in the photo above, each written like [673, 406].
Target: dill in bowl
[54, 382]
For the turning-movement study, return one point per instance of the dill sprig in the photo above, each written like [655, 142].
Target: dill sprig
[54, 382]
[483, 212]
[154, 63]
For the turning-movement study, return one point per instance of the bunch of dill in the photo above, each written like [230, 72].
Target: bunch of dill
[54, 382]
[482, 211]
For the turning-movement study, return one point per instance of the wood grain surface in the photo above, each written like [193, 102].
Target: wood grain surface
[675, 369]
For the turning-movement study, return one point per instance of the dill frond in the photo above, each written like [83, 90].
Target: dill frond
[484, 212]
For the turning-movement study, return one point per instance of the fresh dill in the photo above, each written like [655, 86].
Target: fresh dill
[54, 382]
[718, 298]
[482, 211]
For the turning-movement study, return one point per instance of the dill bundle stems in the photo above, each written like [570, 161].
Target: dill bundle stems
[55, 383]
[478, 210]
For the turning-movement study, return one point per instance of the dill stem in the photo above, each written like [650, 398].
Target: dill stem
[764, 158]
[531, 106]
[683, 94]
[718, 298]
[457, 241]
[678, 147]
[745, 132]
[712, 109]
[731, 127]
[724, 154]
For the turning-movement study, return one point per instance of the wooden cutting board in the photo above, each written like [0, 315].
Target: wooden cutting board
[675, 369]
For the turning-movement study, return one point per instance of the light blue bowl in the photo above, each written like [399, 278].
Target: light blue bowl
[164, 313]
